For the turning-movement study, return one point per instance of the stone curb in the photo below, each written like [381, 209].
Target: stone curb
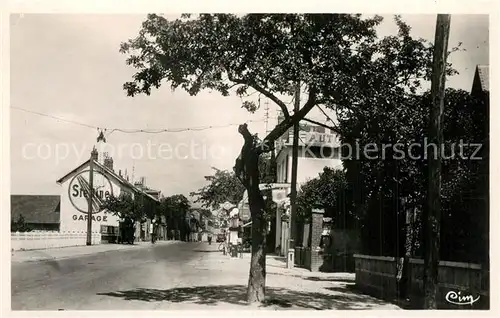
[47, 257]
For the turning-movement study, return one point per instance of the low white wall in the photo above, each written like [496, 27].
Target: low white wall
[43, 240]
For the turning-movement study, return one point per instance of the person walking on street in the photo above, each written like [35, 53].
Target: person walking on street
[151, 231]
[209, 239]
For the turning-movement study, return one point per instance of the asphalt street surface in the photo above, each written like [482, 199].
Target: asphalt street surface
[82, 283]
[173, 275]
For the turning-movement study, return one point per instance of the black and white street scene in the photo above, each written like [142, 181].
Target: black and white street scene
[249, 161]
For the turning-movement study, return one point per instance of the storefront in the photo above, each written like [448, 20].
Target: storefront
[279, 192]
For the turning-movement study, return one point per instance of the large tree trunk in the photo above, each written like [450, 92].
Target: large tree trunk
[247, 169]
[257, 277]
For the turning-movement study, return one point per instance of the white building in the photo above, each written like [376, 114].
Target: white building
[319, 147]
[61, 220]
[74, 197]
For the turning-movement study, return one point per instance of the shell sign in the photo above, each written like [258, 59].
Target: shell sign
[79, 194]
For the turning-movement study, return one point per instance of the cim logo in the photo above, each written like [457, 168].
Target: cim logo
[79, 191]
[457, 299]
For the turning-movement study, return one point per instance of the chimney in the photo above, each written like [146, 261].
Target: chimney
[120, 173]
[108, 163]
[94, 155]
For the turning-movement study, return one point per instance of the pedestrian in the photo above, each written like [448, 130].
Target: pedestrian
[209, 239]
[151, 231]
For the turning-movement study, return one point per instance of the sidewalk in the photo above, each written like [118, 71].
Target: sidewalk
[277, 265]
[295, 289]
[74, 251]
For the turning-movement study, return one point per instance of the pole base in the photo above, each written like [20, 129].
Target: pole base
[290, 254]
[290, 260]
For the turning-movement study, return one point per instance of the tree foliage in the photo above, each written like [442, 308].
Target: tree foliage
[390, 181]
[465, 192]
[126, 206]
[223, 186]
[329, 191]
[19, 225]
[338, 58]
[267, 168]
[206, 218]
[175, 209]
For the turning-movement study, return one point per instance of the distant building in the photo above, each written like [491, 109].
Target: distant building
[141, 184]
[481, 81]
[68, 212]
[200, 224]
[40, 212]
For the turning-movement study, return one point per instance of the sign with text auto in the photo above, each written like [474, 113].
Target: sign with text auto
[310, 136]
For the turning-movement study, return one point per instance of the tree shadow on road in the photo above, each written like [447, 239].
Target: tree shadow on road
[279, 298]
[330, 279]
[352, 288]
[347, 288]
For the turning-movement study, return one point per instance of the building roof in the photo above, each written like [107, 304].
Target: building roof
[109, 173]
[481, 78]
[43, 209]
[484, 76]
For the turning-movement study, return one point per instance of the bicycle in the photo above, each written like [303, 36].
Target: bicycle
[222, 247]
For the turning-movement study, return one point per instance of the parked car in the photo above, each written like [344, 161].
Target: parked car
[220, 238]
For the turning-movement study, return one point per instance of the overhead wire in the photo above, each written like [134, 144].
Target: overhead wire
[54, 117]
[132, 131]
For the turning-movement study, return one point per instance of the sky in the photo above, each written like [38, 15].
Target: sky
[69, 66]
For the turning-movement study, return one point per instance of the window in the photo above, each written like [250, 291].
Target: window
[283, 171]
[318, 129]
[286, 169]
[336, 153]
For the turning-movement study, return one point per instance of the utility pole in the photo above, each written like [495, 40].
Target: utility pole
[432, 215]
[91, 197]
[266, 120]
[133, 172]
[293, 189]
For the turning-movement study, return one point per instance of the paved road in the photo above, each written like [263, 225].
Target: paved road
[81, 283]
[172, 276]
